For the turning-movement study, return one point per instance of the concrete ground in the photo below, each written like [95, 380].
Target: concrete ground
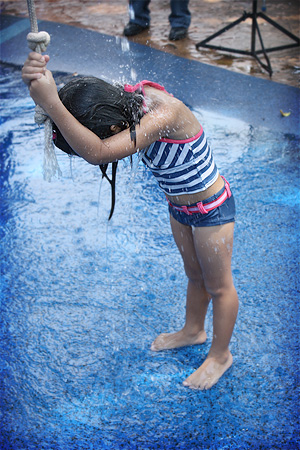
[208, 16]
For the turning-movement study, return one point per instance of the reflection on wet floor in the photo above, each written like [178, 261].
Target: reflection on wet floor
[208, 17]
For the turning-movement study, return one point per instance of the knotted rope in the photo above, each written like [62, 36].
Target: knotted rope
[38, 42]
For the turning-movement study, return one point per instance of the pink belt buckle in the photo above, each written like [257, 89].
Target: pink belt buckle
[185, 210]
[227, 188]
[201, 208]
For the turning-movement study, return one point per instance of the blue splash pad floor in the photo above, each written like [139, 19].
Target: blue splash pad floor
[82, 300]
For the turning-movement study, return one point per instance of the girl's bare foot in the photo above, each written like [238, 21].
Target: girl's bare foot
[166, 341]
[209, 372]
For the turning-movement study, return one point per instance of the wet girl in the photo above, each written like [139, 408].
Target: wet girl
[104, 123]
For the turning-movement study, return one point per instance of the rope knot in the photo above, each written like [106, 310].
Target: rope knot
[38, 42]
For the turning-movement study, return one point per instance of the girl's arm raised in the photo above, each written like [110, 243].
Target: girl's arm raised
[94, 150]
[84, 142]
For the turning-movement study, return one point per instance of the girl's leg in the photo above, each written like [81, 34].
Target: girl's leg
[197, 299]
[213, 246]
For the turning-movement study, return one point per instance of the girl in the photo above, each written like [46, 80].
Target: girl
[104, 123]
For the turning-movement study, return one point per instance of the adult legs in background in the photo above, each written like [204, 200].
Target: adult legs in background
[139, 19]
[180, 19]
[140, 12]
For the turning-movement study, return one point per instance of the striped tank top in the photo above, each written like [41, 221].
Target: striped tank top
[181, 166]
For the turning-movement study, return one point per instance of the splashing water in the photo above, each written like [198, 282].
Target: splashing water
[82, 300]
[125, 45]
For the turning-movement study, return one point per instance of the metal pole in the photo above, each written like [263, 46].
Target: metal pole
[254, 26]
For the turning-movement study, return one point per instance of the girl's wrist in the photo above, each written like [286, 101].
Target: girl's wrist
[52, 107]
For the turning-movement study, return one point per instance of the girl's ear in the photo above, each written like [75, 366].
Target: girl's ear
[115, 129]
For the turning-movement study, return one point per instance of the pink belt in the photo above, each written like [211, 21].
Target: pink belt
[205, 208]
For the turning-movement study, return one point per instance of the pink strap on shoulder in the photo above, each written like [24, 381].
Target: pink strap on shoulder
[153, 84]
[183, 141]
[141, 84]
[130, 88]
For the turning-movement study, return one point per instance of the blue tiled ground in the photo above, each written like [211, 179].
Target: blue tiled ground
[81, 300]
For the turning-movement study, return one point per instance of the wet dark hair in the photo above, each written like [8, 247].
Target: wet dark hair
[98, 105]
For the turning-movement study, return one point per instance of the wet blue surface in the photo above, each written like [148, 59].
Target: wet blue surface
[82, 299]
[253, 100]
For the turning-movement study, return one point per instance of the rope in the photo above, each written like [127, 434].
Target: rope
[38, 42]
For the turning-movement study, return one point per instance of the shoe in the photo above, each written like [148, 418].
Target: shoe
[132, 29]
[177, 33]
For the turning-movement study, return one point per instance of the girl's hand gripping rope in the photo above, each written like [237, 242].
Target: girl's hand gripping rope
[39, 79]
[34, 67]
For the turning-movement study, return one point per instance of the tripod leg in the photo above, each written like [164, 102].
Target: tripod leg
[223, 30]
[279, 27]
[267, 66]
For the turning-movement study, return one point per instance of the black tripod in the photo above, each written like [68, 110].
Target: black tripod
[253, 52]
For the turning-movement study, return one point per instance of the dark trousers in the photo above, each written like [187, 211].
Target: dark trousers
[180, 16]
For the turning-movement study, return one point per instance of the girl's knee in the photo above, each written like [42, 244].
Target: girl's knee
[221, 291]
[195, 278]
[194, 273]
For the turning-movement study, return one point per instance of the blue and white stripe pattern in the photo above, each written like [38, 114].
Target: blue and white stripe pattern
[181, 167]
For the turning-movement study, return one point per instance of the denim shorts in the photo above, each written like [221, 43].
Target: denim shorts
[224, 213]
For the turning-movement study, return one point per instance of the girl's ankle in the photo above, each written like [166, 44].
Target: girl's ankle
[220, 356]
[193, 332]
